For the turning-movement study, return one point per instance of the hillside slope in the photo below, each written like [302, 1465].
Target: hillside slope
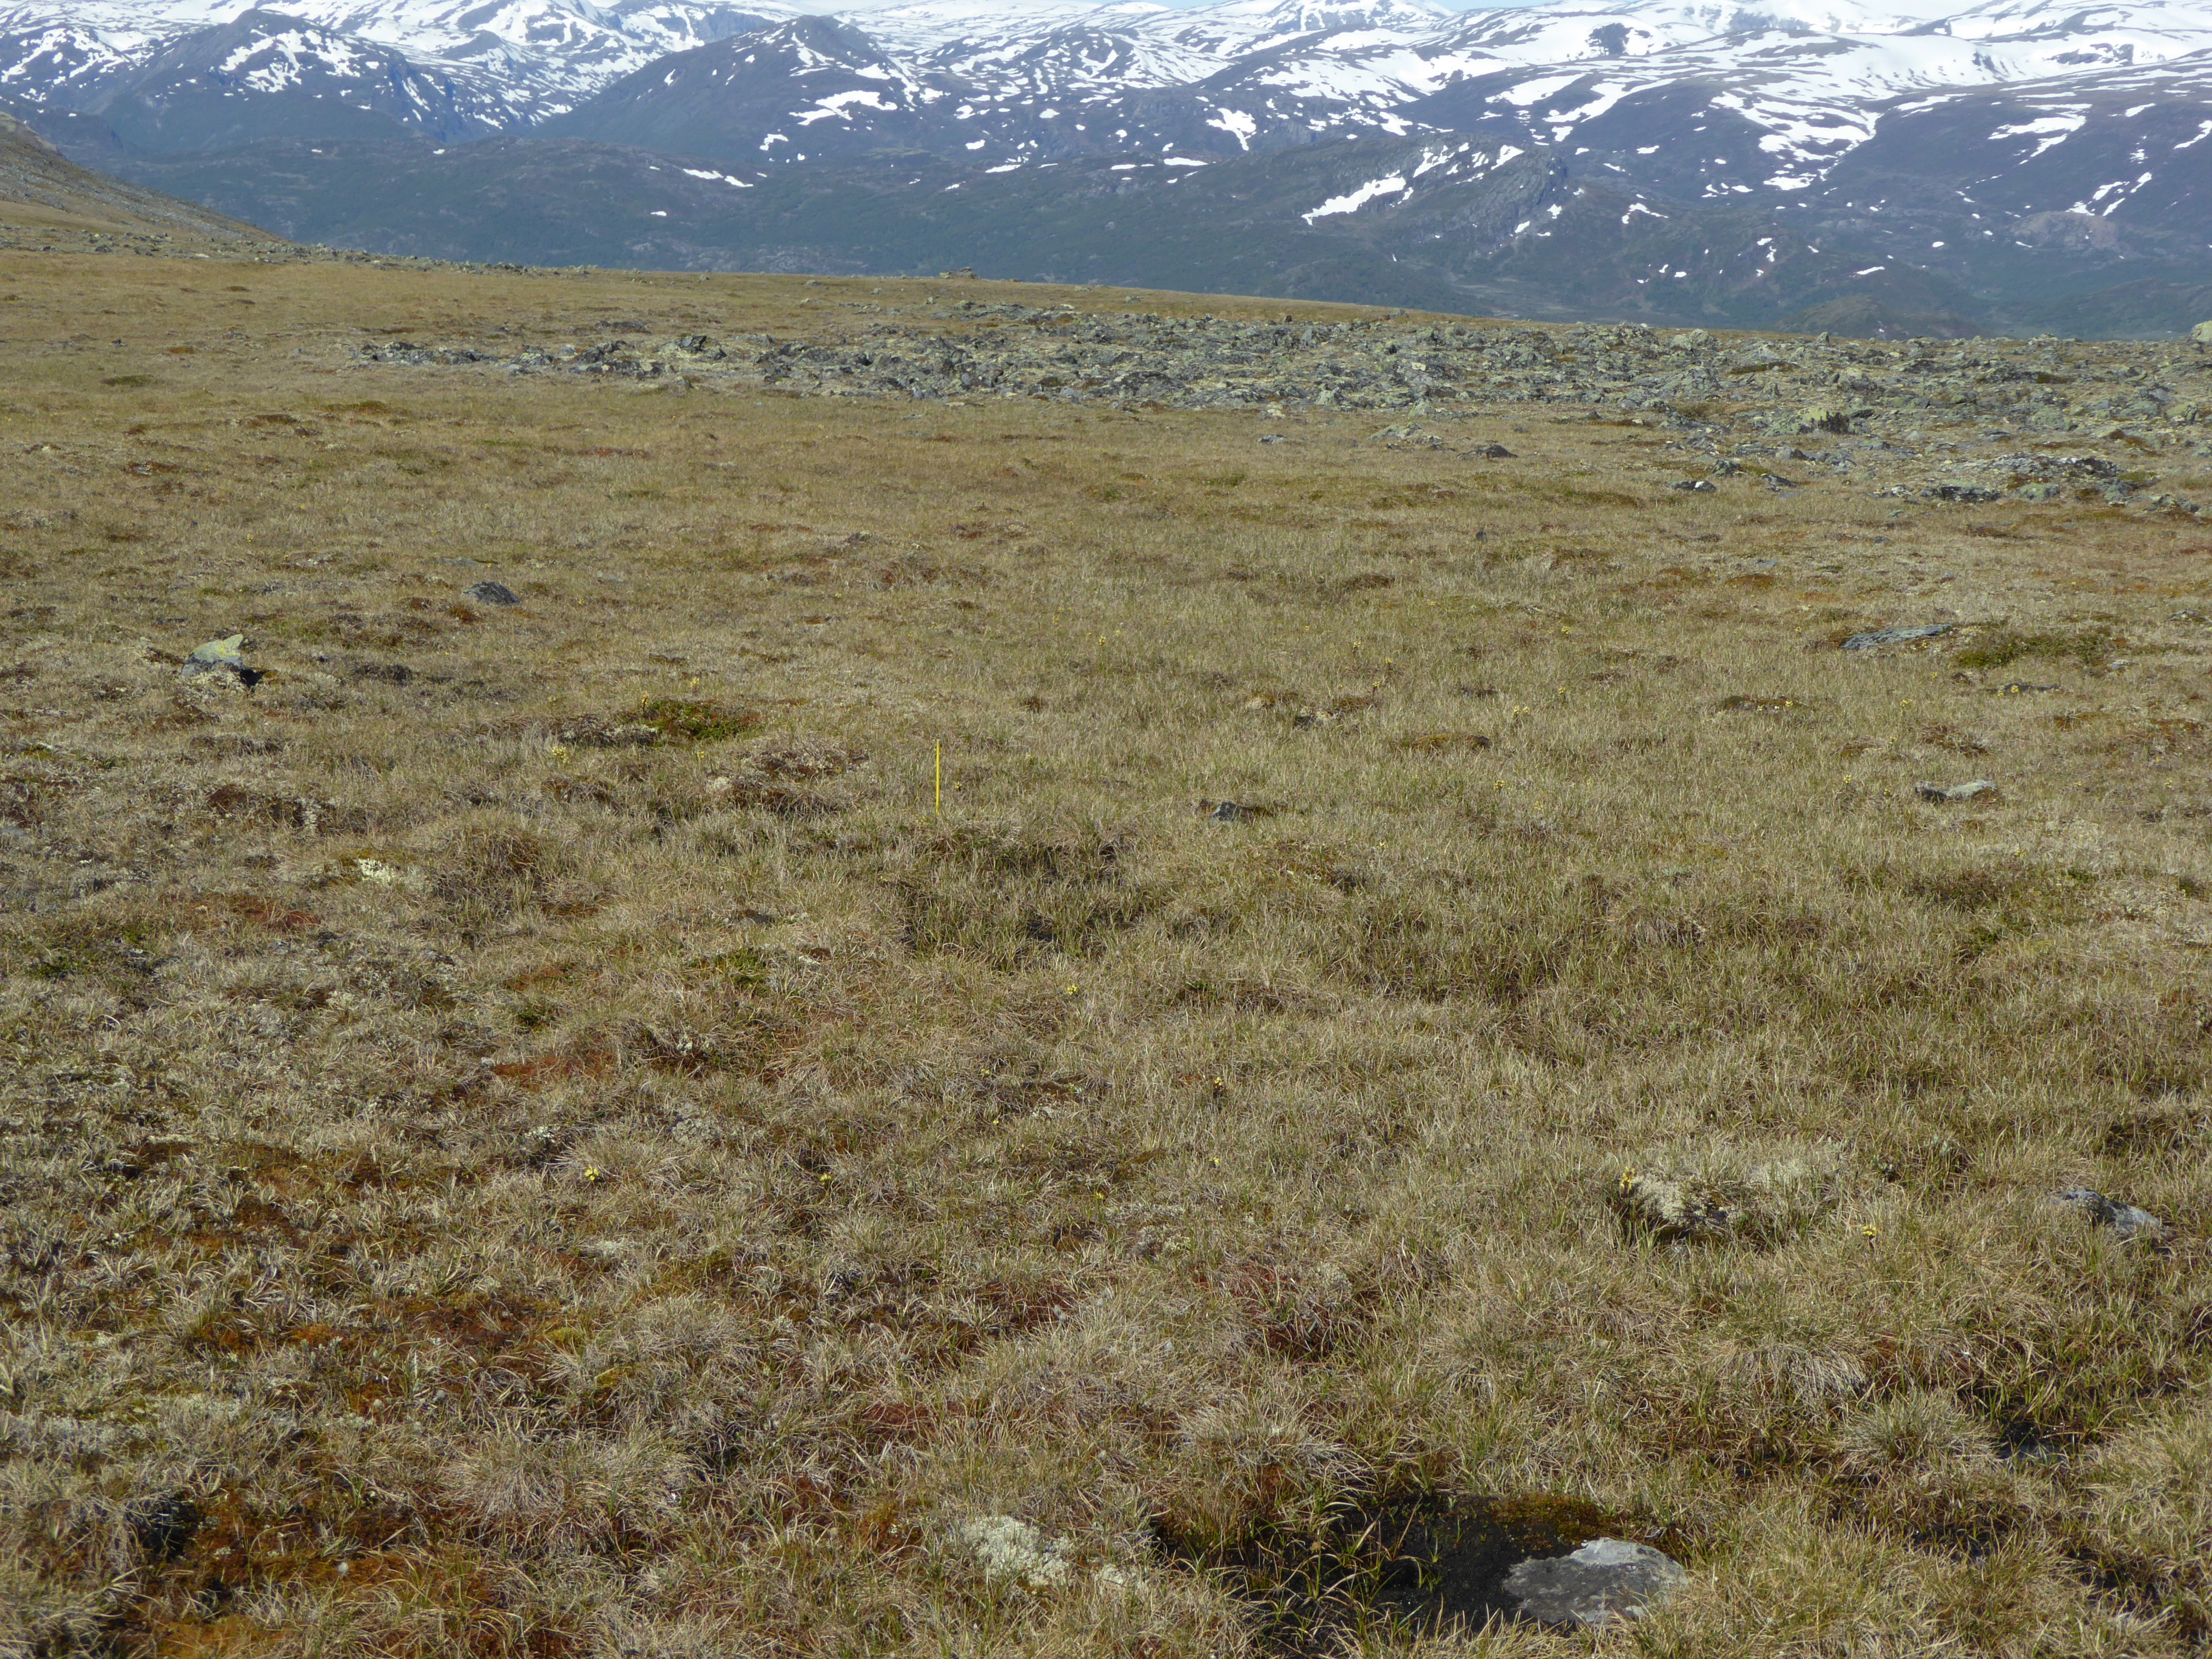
[44, 194]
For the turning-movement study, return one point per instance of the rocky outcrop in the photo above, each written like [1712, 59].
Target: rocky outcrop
[1921, 418]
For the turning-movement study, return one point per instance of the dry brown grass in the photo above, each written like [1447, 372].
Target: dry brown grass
[525, 1134]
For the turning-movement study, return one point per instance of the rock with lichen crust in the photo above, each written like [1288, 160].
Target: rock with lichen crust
[1010, 1551]
[1722, 1198]
[2129, 1222]
[1606, 1580]
[218, 663]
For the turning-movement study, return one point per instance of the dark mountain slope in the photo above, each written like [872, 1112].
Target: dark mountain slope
[39, 185]
[811, 87]
[1452, 225]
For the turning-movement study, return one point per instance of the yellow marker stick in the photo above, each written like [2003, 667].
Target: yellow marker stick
[941, 782]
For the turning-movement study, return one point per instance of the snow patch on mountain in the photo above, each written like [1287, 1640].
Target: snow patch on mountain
[276, 61]
[841, 105]
[1355, 200]
[2046, 131]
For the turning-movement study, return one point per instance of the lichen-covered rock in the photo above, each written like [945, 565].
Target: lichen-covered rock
[1607, 1579]
[1725, 1197]
[1881, 636]
[1010, 1551]
[1945, 795]
[2129, 1222]
[220, 663]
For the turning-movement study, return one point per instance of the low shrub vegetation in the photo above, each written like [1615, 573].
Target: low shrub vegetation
[537, 1130]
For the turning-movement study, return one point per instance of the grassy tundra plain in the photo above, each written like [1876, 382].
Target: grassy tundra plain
[526, 1133]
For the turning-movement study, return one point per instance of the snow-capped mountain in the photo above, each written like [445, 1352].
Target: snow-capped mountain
[530, 58]
[1792, 89]
[1947, 145]
[1804, 70]
[269, 76]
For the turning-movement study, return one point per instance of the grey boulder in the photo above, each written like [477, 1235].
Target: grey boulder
[1954, 792]
[1895, 635]
[1606, 1579]
[2127, 1221]
[494, 593]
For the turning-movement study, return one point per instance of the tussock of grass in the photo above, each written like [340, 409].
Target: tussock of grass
[692, 720]
[1429, 1022]
[2088, 647]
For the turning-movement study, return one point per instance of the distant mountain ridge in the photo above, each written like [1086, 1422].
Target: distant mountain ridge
[1808, 75]
[1980, 164]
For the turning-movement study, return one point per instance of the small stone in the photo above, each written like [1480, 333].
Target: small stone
[592, 732]
[1011, 1551]
[1702, 486]
[1607, 1579]
[1690, 339]
[218, 662]
[1954, 792]
[494, 593]
[1723, 1199]
[1896, 635]
[2127, 1221]
[1407, 432]
[225, 650]
[2202, 333]
[1494, 452]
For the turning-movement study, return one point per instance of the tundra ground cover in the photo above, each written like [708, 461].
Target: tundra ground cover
[528, 1132]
